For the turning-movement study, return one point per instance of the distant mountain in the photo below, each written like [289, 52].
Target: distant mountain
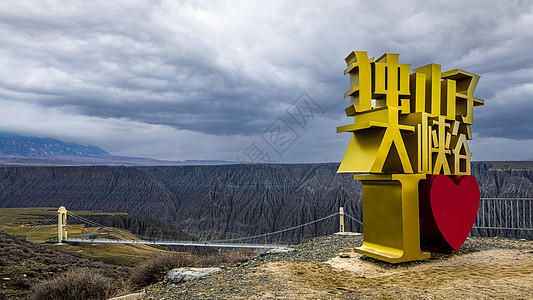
[12, 144]
[17, 150]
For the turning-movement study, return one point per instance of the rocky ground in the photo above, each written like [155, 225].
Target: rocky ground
[483, 268]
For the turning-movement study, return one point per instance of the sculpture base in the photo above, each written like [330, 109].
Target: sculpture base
[390, 255]
[390, 217]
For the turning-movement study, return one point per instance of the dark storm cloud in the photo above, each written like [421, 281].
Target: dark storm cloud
[230, 68]
[135, 68]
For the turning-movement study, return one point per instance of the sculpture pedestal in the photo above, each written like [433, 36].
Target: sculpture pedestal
[391, 217]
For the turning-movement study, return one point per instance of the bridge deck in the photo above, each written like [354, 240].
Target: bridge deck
[177, 243]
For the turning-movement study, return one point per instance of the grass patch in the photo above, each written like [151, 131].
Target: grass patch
[117, 254]
[26, 264]
[154, 269]
[77, 284]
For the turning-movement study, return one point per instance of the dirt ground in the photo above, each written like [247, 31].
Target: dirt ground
[500, 274]
[485, 268]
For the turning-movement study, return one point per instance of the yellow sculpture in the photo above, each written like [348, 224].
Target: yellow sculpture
[406, 126]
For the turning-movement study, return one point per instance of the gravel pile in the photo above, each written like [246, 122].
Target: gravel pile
[235, 281]
[317, 250]
[474, 244]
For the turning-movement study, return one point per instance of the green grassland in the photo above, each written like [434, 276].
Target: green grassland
[40, 223]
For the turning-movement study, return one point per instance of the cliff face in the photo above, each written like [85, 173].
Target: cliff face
[504, 179]
[227, 201]
[114, 189]
[224, 201]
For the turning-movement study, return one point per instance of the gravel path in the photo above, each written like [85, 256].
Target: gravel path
[301, 271]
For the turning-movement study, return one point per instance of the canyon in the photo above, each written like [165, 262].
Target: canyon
[226, 201]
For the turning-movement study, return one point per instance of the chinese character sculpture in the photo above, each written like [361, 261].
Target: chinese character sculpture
[409, 148]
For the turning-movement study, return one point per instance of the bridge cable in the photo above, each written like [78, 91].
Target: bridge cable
[93, 223]
[40, 225]
[275, 232]
[353, 219]
[97, 225]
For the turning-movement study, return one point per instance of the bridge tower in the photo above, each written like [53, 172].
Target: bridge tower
[61, 224]
[341, 219]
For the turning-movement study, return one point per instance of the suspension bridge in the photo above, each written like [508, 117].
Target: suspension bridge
[493, 214]
[62, 236]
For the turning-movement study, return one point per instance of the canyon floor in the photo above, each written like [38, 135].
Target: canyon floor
[485, 268]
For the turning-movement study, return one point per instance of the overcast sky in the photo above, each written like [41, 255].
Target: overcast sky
[182, 80]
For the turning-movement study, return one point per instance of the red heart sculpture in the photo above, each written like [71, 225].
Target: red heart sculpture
[453, 206]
